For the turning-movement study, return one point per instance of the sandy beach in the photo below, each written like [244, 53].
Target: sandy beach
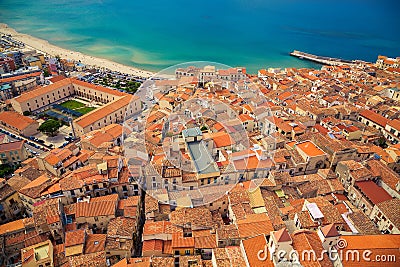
[46, 48]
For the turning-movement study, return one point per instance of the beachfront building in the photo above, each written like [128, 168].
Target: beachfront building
[7, 64]
[42, 97]
[14, 84]
[232, 74]
[114, 111]
[15, 55]
[384, 62]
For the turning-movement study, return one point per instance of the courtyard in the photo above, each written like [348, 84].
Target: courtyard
[77, 106]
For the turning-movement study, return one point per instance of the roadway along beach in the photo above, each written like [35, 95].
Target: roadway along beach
[50, 49]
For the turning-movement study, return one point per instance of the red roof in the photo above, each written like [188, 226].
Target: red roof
[321, 129]
[374, 117]
[74, 238]
[20, 77]
[16, 120]
[57, 78]
[152, 245]
[395, 124]
[282, 235]
[329, 230]
[374, 193]
[352, 128]
[245, 117]
[11, 146]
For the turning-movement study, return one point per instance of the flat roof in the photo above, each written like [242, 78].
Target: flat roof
[314, 211]
[42, 252]
[310, 149]
[203, 161]
[191, 132]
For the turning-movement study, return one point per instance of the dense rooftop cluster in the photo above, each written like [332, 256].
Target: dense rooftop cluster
[235, 167]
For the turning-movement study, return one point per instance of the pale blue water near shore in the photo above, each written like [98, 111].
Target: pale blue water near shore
[155, 34]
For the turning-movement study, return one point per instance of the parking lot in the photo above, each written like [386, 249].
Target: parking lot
[57, 140]
[40, 142]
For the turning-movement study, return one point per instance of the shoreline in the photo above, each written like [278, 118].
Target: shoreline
[47, 48]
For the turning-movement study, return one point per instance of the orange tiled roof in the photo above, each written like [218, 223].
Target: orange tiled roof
[375, 193]
[42, 90]
[203, 242]
[107, 109]
[13, 226]
[20, 77]
[376, 244]
[310, 149]
[16, 120]
[11, 146]
[252, 246]
[374, 117]
[179, 241]
[153, 245]
[95, 243]
[100, 208]
[73, 238]
[254, 224]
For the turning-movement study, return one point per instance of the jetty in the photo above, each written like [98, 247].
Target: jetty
[324, 60]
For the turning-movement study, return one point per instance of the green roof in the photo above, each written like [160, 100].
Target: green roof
[191, 132]
[203, 161]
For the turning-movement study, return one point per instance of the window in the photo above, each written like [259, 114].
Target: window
[187, 252]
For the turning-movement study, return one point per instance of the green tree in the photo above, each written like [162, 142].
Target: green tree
[5, 169]
[26, 113]
[382, 142]
[50, 127]
[46, 72]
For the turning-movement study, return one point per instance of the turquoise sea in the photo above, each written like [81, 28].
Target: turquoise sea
[155, 34]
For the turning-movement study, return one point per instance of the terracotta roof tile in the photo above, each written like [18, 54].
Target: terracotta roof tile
[252, 246]
[95, 243]
[179, 241]
[374, 193]
[282, 235]
[16, 120]
[74, 238]
[374, 117]
[329, 230]
[203, 242]
[391, 210]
